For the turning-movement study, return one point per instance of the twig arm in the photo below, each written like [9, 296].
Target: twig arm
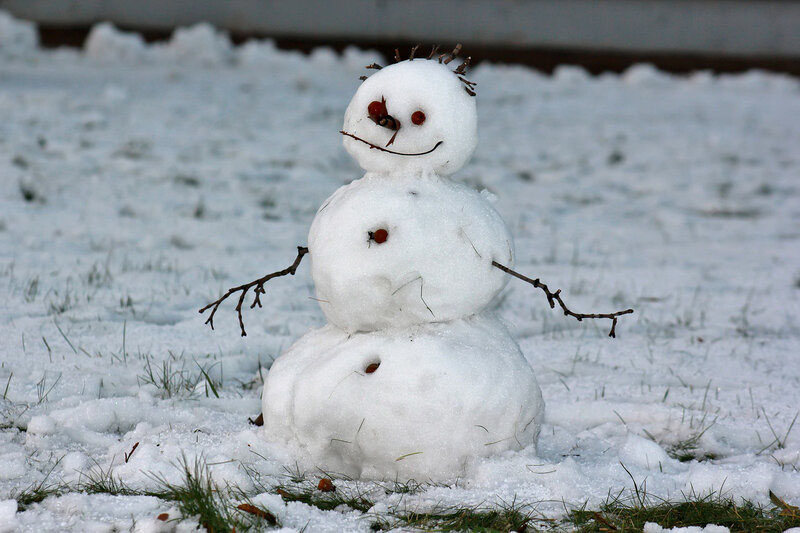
[553, 297]
[258, 291]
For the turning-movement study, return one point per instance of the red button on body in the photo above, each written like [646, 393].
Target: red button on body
[380, 236]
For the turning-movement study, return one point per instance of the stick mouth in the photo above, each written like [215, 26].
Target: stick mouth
[376, 147]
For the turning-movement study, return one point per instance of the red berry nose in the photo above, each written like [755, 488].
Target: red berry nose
[379, 236]
[377, 109]
[371, 368]
[418, 117]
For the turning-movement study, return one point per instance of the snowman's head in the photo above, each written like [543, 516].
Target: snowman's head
[414, 115]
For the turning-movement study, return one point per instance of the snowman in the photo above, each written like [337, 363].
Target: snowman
[412, 377]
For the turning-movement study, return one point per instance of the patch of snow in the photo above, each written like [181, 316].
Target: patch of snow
[17, 37]
[107, 43]
[651, 527]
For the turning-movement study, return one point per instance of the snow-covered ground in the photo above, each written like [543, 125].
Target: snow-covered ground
[138, 182]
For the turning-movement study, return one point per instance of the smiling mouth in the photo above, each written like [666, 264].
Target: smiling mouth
[376, 147]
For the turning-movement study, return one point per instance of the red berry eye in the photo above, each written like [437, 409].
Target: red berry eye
[418, 117]
[377, 109]
[379, 235]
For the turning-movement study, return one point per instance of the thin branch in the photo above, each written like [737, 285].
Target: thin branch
[434, 49]
[376, 147]
[462, 68]
[397, 57]
[258, 290]
[413, 52]
[374, 66]
[553, 297]
[454, 54]
[465, 81]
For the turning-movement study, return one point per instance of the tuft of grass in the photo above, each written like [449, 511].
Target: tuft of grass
[31, 289]
[689, 450]
[39, 491]
[59, 302]
[35, 494]
[173, 379]
[196, 496]
[616, 515]
[99, 275]
[505, 518]
[633, 512]
[326, 501]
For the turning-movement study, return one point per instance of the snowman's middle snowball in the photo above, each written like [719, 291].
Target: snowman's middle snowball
[434, 265]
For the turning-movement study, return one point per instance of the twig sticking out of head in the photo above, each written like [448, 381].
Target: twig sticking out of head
[434, 49]
[259, 290]
[374, 66]
[413, 52]
[469, 86]
[452, 55]
[553, 297]
[397, 57]
[462, 68]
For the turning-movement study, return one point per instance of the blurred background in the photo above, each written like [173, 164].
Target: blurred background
[608, 35]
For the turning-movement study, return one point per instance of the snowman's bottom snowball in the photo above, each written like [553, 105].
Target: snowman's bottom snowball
[441, 395]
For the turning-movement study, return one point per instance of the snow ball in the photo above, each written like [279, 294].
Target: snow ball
[570, 75]
[202, 44]
[355, 58]
[442, 143]
[8, 511]
[642, 452]
[12, 466]
[257, 52]
[751, 483]
[402, 250]
[73, 465]
[107, 43]
[438, 396]
[272, 503]
[701, 78]
[323, 56]
[644, 74]
[41, 425]
[17, 37]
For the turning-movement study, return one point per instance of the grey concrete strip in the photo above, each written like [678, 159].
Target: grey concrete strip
[719, 27]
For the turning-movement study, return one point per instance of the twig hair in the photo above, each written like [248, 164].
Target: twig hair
[443, 59]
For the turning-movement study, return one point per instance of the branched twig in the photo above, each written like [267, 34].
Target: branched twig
[259, 290]
[465, 81]
[553, 297]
